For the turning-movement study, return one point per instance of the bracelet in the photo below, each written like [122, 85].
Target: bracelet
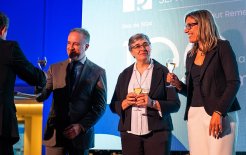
[218, 112]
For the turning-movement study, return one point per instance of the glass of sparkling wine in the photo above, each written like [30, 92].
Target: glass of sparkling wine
[42, 61]
[137, 91]
[170, 66]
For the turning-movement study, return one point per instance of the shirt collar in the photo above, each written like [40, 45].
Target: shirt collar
[82, 60]
[149, 67]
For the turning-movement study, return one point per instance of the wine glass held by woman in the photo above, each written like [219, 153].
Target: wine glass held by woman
[170, 63]
[174, 81]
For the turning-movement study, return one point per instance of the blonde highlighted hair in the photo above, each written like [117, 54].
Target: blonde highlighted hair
[208, 34]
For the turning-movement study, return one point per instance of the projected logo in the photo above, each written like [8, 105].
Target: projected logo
[136, 5]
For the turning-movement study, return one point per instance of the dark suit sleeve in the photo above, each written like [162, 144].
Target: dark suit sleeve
[115, 105]
[171, 103]
[119, 95]
[48, 88]
[183, 90]
[230, 68]
[99, 102]
[24, 69]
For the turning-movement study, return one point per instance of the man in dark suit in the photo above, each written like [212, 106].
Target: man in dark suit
[12, 63]
[79, 99]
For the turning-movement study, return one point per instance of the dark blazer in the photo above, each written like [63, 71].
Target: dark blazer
[85, 106]
[12, 63]
[167, 98]
[219, 80]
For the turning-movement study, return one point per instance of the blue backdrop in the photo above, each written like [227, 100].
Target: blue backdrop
[41, 28]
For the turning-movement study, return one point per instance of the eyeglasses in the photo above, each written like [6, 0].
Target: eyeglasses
[144, 45]
[190, 25]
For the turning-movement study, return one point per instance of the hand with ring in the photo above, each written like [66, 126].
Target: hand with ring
[142, 100]
[215, 127]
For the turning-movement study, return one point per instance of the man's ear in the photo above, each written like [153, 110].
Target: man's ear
[3, 32]
[5, 29]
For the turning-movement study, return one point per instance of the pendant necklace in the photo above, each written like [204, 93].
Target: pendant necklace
[139, 90]
[202, 53]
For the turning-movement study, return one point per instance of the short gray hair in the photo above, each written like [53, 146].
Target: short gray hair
[136, 37]
[83, 32]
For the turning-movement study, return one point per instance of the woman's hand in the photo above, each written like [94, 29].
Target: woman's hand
[215, 127]
[174, 80]
[129, 101]
[142, 100]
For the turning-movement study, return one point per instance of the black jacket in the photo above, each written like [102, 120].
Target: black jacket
[12, 63]
[219, 80]
[167, 98]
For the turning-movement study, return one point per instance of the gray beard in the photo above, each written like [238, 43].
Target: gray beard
[73, 55]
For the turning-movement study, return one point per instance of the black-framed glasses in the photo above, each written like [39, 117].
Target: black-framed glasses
[144, 45]
[190, 25]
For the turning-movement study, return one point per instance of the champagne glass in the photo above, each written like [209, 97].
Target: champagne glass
[137, 90]
[170, 63]
[42, 61]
